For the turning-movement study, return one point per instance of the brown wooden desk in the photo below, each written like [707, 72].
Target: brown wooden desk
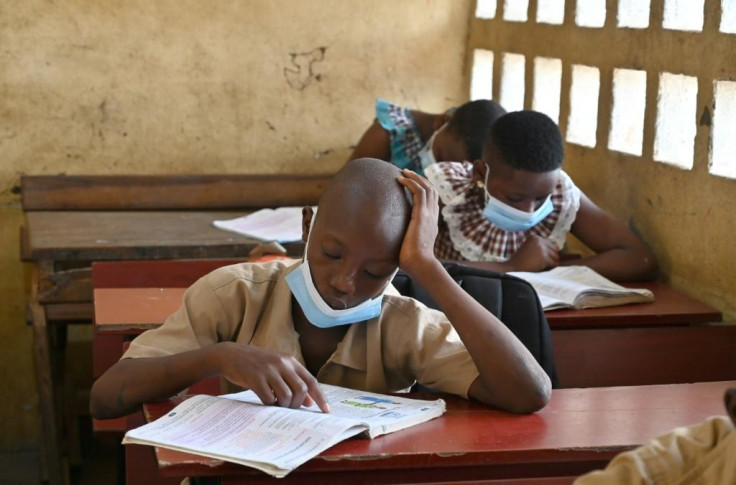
[72, 221]
[580, 430]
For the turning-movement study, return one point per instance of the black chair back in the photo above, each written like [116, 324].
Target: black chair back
[510, 299]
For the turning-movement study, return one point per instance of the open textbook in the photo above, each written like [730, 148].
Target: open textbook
[283, 224]
[580, 287]
[238, 428]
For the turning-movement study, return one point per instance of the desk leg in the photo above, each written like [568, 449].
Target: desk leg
[51, 457]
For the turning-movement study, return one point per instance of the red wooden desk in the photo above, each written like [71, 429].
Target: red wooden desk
[151, 306]
[631, 345]
[580, 430]
[159, 289]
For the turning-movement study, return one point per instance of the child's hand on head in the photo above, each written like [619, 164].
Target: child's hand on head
[535, 254]
[417, 248]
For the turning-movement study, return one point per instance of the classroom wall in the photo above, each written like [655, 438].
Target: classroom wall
[186, 86]
[686, 215]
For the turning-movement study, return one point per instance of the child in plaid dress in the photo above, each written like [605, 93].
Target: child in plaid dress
[512, 210]
[414, 139]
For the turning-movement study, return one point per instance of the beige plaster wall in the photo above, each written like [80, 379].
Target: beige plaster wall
[687, 216]
[186, 86]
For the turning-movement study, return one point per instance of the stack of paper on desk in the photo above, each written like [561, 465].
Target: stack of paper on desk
[238, 428]
[580, 287]
[283, 224]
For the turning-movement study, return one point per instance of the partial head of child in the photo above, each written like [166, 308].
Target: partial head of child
[520, 165]
[460, 134]
[354, 239]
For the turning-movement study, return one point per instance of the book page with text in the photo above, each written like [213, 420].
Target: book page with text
[272, 439]
[382, 413]
[579, 287]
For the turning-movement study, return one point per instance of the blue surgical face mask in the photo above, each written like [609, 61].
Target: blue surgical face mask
[426, 154]
[510, 218]
[317, 311]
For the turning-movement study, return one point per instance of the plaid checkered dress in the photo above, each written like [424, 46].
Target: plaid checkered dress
[404, 136]
[465, 234]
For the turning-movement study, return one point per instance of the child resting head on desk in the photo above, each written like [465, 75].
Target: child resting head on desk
[512, 210]
[414, 139]
[702, 454]
[280, 327]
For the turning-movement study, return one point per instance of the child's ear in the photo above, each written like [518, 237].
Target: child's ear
[307, 214]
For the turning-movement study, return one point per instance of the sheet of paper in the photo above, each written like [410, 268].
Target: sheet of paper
[283, 224]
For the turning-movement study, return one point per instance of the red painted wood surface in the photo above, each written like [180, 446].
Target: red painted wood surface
[513, 481]
[134, 308]
[147, 306]
[626, 353]
[640, 356]
[107, 347]
[154, 273]
[580, 430]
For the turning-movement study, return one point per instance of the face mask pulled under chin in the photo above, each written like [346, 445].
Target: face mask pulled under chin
[317, 311]
[510, 218]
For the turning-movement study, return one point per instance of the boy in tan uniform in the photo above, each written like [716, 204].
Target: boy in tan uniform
[703, 454]
[279, 328]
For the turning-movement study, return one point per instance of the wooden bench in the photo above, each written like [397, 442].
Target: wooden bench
[72, 221]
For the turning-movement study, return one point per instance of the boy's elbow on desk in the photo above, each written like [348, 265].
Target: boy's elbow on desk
[535, 398]
[518, 399]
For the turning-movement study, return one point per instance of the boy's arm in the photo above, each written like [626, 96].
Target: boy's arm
[620, 254]
[276, 379]
[510, 377]
[373, 144]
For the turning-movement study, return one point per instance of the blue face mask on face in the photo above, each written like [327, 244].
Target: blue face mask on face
[510, 218]
[317, 311]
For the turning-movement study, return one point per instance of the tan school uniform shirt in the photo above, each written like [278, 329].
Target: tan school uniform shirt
[703, 454]
[251, 303]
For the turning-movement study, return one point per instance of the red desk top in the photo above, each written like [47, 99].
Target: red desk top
[134, 308]
[140, 308]
[580, 429]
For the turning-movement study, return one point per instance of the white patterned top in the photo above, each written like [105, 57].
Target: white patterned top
[465, 234]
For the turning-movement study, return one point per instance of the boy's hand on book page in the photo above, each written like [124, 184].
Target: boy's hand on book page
[278, 380]
[535, 254]
[418, 246]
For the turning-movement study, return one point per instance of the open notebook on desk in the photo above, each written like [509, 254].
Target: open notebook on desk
[580, 287]
[275, 440]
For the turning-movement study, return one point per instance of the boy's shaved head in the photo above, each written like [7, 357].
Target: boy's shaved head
[366, 193]
[369, 182]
